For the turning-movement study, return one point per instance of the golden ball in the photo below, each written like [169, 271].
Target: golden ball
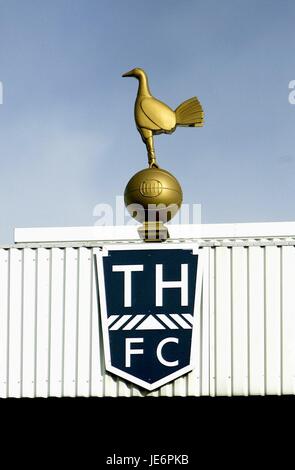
[156, 191]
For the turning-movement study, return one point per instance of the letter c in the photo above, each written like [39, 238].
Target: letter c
[159, 352]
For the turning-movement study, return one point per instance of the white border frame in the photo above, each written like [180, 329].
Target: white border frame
[103, 309]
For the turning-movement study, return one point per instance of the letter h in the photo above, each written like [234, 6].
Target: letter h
[182, 284]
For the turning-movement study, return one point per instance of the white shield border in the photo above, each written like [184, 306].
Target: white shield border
[103, 309]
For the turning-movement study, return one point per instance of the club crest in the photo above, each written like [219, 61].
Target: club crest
[149, 304]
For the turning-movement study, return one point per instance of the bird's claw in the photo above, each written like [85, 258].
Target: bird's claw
[153, 165]
[152, 161]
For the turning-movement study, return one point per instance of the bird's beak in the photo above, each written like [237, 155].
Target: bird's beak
[128, 74]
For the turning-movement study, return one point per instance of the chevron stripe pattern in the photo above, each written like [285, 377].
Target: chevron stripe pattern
[174, 321]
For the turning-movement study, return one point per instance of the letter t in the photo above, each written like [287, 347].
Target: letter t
[127, 269]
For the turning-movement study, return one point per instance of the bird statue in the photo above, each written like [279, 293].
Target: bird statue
[153, 117]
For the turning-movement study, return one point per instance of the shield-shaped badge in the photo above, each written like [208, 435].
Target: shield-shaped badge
[149, 301]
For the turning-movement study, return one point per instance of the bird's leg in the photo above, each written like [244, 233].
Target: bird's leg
[151, 152]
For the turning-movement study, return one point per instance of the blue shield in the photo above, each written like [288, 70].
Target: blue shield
[148, 310]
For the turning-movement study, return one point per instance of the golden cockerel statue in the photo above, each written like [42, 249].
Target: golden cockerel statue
[152, 116]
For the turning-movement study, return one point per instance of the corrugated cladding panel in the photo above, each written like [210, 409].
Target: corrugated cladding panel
[50, 341]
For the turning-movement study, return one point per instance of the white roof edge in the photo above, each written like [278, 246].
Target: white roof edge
[203, 231]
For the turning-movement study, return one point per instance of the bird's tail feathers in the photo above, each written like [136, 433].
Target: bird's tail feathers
[190, 113]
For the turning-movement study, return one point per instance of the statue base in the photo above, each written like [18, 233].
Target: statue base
[153, 232]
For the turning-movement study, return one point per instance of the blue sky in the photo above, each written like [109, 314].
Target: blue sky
[67, 135]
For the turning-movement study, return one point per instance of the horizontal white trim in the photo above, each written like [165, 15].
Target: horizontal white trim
[60, 234]
[194, 231]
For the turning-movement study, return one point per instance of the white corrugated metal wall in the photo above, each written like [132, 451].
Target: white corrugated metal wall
[49, 335]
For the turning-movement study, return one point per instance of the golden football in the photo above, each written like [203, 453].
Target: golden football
[156, 191]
